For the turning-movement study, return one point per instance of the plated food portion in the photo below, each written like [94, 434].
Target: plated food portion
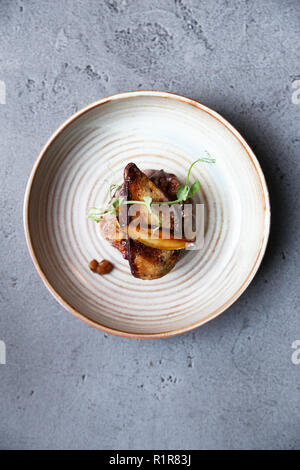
[141, 282]
[150, 238]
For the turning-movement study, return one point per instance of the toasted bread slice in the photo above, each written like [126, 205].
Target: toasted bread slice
[146, 262]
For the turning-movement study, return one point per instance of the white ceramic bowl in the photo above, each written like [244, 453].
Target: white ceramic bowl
[89, 152]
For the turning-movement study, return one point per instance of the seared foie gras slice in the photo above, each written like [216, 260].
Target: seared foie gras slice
[150, 263]
[146, 262]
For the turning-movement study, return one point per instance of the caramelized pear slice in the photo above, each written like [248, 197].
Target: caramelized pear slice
[146, 237]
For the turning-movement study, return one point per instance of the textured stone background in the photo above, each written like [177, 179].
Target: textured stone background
[229, 384]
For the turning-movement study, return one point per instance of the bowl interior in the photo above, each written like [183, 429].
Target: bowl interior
[75, 173]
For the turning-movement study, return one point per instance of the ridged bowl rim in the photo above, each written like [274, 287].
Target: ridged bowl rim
[252, 157]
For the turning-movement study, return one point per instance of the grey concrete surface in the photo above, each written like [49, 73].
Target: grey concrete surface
[228, 385]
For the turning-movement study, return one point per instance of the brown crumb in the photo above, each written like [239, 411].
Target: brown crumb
[93, 265]
[104, 267]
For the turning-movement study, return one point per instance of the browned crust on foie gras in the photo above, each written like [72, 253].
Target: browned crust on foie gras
[146, 262]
